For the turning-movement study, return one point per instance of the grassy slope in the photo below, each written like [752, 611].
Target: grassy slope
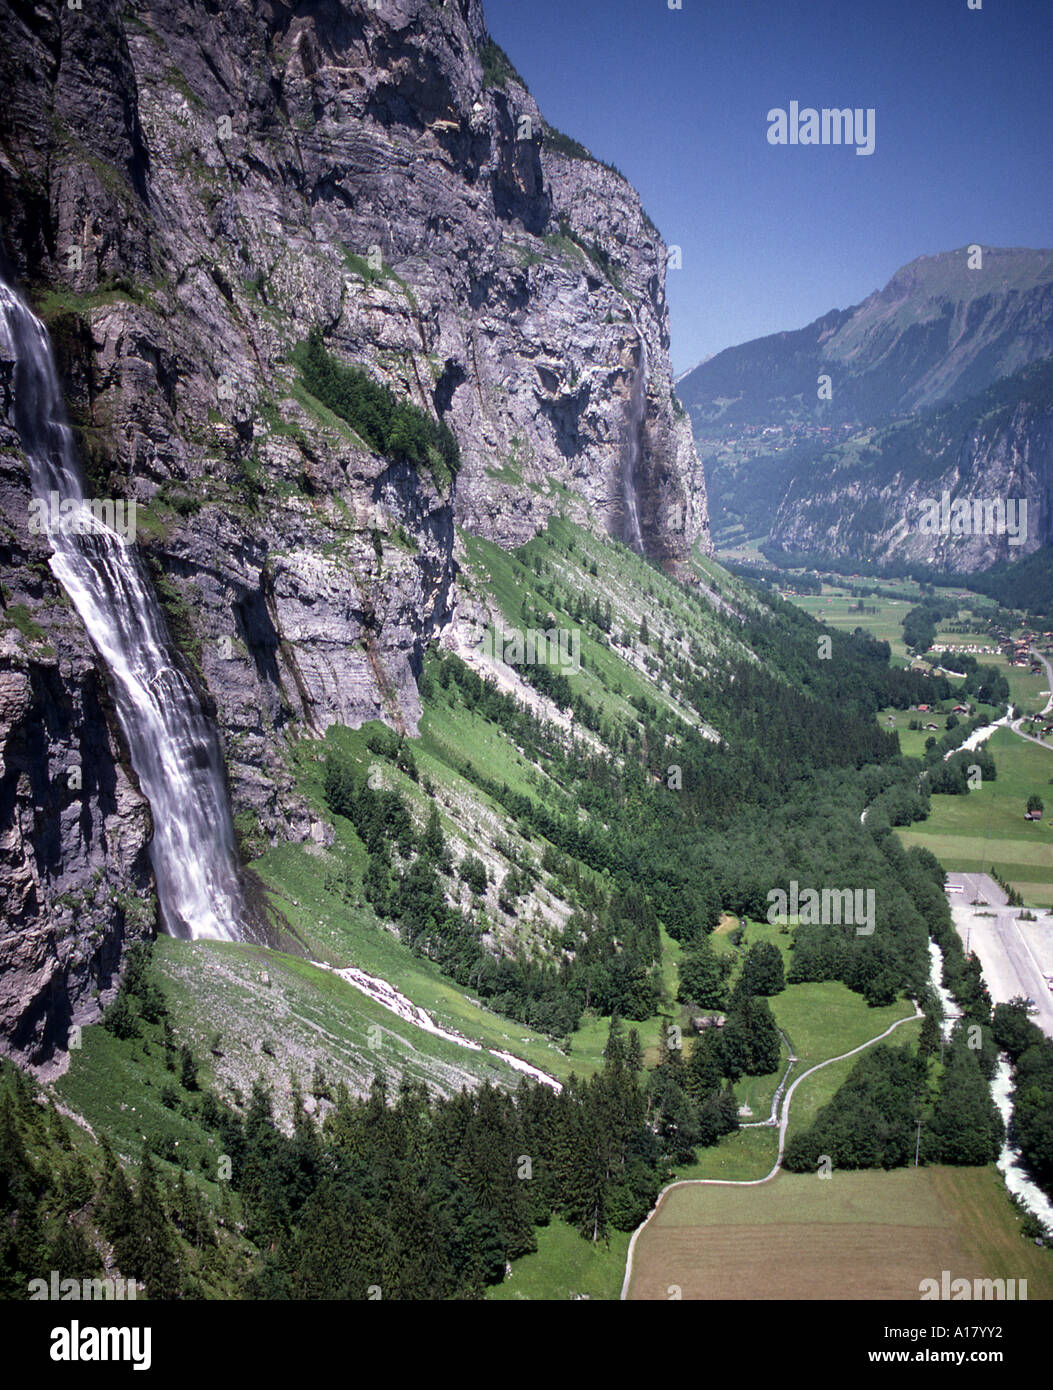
[272, 1029]
[566, 1266]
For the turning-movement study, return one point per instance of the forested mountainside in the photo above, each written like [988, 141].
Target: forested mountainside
[830, 439]
[245, 182]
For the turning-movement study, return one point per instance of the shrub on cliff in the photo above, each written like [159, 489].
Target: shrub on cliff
[395, 428]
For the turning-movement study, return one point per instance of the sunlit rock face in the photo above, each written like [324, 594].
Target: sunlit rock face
[188, 192]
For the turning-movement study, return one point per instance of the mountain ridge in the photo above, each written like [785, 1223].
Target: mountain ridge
[796, 426]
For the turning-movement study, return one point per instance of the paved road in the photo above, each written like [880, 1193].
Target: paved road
[1016, 724]
[1016, 956]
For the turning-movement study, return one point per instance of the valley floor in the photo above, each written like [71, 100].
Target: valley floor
[855, 1235]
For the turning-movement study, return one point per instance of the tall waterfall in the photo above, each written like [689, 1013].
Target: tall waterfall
[633, 454]
[173, 747]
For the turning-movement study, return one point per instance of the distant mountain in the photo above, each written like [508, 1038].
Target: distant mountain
[798, 429]
[937, 332]
[868, 498]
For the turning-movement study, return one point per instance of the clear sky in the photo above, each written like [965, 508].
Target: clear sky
[773, 236]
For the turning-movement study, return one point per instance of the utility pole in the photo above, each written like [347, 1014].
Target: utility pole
[917, 1148]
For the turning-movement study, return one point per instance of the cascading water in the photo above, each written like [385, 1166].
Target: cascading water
[633, 453]
[173, 747]
[1016, 1177]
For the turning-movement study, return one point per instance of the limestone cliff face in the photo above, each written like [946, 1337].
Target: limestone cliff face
[75, 875]
[188, 190]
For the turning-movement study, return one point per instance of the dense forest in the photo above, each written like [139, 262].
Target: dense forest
[399, 1196]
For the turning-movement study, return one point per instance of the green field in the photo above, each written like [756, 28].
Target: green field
[840, 610]
[987, 827]
[566, 1266]
[856, 1235]
[883, 617]
[822, 1020]
[911, 741]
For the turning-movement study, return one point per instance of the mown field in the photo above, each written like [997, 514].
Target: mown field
[856, 1235]
[987, 828]
[883, 617]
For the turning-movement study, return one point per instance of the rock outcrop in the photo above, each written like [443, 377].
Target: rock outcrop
[75, 877]
[957, 489]
[191, 189]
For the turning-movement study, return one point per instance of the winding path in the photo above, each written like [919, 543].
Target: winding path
[1015, 724]
[1049, 677]
[783, 1124]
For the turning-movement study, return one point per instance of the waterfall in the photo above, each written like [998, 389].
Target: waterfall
[173, 747]
[633, 454]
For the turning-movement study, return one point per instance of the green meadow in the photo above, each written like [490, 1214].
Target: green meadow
[987, 828]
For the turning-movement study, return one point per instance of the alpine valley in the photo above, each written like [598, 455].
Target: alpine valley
[393, 784]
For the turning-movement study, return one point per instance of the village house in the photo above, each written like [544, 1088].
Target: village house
[703, 1021]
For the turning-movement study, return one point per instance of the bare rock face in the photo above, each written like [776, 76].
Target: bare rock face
[193, 189]
[987, 499]
[75, 877]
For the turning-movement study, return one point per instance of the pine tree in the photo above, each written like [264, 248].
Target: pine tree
[72, 1255]
[703, 1075]
[929, 1037]
[187, 1068]
[156, 1262]
[633, 1053]
[433, 842]
[614, 1052]
[116, 1211]
[120, 1018]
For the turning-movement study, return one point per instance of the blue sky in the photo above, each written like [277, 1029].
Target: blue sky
[774, 236]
